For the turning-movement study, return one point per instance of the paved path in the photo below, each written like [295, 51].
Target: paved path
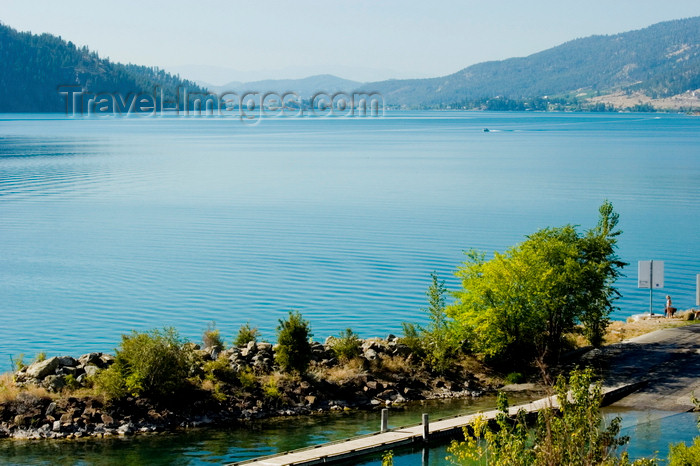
[667, 360]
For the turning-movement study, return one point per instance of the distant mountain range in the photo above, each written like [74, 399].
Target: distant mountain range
[660, 61]
[304, 87]
[655, 67]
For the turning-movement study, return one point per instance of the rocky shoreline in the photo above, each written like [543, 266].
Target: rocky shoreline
[53, 399]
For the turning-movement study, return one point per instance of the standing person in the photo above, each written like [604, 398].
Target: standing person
[670, 310]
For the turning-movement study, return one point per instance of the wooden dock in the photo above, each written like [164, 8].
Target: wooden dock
[379, 441]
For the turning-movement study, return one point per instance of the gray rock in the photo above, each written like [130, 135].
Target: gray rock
[56, 426]
[39, 370]
[370, 354]
[265, 347]
[107, 359]
[126, 429]
[90, 358]
[68, 370]
[67, 361]
[90, 371]
[50, 409]
[250, 349]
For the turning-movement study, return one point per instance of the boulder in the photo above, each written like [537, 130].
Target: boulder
[90, 358]
[41, 369]
[126, 429]
[265, 347]
[90, 371]
[250, 349]
[50, 409]
[54, 383]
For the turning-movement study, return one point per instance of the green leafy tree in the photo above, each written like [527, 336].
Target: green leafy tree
[604, 267]
[439, 341]
[293, 351]
[523, 302]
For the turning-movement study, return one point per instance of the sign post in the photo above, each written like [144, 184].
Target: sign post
[650, 274]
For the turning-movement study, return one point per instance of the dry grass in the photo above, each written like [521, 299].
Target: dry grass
[343, 373]
[9, 392]
[618, 331]
[397, 365]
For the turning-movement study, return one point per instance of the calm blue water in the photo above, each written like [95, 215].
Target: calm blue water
[111, 225]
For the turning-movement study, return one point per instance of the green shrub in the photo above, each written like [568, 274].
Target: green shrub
[682, 455]
[270, 390]
[154, 364]
[41, 356]
[71, 382]
[346, 346]
[246, 378]
[411, 338]
[18, 362]
[211, 338]
[573, 436]
[388, 458]
[514, 377]
[245, 335]
[219, 370]
[294, 350]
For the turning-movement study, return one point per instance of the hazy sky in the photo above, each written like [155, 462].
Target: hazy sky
[359, 39]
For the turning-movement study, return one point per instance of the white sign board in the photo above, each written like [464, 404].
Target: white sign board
[650, 274]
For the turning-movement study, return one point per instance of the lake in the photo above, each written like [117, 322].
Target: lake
[109, 225]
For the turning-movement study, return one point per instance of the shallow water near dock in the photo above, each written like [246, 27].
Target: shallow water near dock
[205, 446]
[650, 433]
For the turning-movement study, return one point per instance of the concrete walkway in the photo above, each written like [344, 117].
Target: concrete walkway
[667, 360]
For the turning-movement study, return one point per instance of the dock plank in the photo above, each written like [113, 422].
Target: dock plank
[380, 441]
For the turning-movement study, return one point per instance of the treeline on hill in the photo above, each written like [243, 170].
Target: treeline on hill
[660, 60]
[33, 67]
[542, 104]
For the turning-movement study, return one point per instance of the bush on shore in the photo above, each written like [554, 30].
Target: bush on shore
[153, 364]
[245, 335]
[294, 350]
[346, 346]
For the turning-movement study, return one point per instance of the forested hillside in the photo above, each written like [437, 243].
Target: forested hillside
[660, 60]
[32, 67]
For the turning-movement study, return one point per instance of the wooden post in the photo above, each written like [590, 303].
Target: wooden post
[385, 420]
[426, 427]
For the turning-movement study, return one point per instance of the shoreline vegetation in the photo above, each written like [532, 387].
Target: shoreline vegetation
[65, 398]
[522, 316]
